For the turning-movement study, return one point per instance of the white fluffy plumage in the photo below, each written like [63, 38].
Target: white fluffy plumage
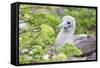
[67, 29]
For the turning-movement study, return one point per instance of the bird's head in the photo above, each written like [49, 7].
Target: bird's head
[68, 24]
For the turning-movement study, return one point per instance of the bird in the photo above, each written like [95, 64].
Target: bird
[86, 43]
[67, 29]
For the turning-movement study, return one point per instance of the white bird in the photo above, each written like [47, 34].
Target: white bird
[85, 43]
[67, 29]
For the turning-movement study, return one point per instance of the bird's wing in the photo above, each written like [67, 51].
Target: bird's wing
[79, 37]
[86, 44]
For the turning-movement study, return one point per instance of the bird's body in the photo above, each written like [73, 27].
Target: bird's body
[63, 38]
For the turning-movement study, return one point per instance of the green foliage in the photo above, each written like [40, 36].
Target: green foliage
[41, 28]
[37, 53]
[25, 59]
[60, 57]
[69, 50]
[85, 19]
[46, 33]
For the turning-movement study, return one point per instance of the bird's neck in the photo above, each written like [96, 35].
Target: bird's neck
[67, 33]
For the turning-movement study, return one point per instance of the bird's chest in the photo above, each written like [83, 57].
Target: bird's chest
[64, 38]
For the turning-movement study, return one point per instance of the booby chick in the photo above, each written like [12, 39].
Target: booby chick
[84, 42]
[67, 29]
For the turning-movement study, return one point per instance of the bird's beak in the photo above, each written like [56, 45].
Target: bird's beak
[63, 24]
[67, 26]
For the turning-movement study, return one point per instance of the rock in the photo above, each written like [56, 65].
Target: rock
[24, 51]
[87, 45]
[91, 57]
[76, 58]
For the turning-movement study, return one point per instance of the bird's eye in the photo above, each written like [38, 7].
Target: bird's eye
[68, 22]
